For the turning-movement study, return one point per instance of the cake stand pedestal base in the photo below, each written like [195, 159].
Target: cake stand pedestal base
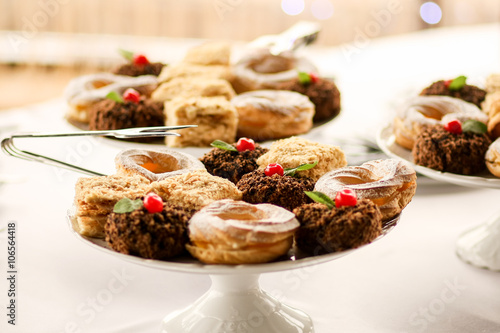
[236, 303]
[480, 246]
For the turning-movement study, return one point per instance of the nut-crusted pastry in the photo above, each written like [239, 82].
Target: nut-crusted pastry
[292, 152]
[466, 92]
[273, 114]
[192, 87]
[235, 232]
[155, 164]
[389, 183]
[96, 196]
[493, 158]
[215, 116]
[210, 53]
[430, 110]
[323, 230]
[194, 190]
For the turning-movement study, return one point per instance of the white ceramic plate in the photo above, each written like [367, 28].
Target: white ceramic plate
[188, 264]
[386, 141]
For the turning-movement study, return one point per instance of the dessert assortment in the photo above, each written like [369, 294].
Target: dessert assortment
[452, 126]
[261, 96]
[240, 203]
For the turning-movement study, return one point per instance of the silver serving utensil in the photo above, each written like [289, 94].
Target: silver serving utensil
[10, 148]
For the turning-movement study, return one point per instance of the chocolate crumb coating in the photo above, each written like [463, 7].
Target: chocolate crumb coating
[324, 94]
[440, 150]
[232, 165]
[154, 236]
[468, 93]
[283, 191]
[323, 230]
[130, 69]
[110, 115]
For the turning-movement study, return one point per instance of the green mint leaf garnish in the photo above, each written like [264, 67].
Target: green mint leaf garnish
[127, 205]
[475, 126]
[304, 78]
[223, 145]
[320, 197]
[114, 96]
[457, 83]
[302, 167]
[127, 54]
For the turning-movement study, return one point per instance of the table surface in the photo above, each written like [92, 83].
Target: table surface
[409, 281]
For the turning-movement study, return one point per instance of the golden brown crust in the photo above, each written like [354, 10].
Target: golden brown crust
[210, 53]
[194, 71]
[492, 158]
[294, 151]
[192, 87]
[194, 190]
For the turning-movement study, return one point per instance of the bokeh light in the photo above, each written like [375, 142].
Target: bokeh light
[322, 9]
[292, 7]
[430, 12]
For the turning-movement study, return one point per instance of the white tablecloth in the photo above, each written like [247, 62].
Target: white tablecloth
[410, 281]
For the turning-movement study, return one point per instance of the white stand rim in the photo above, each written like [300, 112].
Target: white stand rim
[236, 303]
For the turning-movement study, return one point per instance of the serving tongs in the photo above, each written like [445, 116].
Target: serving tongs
[300, 34]
[10, 148]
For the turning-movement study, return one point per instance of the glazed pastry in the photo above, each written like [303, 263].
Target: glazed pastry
[96, 196]
[232, 165]
[468, 93]
[215, 116]
[463, 153]
[194, 190]
[273, 114]
[155, 165]
[259, 69]
[160, 235]
[389, 183]
[111, 115]
[430, 110]
[280, 190]
[493, 158]
[86, 90]
[193, 87]
[324, 230]
[322, 92]
[234, 232]
[292, 152]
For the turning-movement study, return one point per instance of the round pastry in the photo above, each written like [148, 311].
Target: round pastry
[322, 92]
[86, 90]
[438, 149]
[234, 232]
[430, 110]
[273, 114]
[131, 69]
[110, 115]
[149, 235]
[292, 152]
[468, 93]
[389, 183]
[323, 230]
[232, 165]
[284, 191]
[259, 69]
[155, 165]
[493, 158]
[491, 106]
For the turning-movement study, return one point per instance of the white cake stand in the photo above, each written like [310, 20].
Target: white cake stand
[479, 246]
[235, 302]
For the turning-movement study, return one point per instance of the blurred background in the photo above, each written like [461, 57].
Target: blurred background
[45, 43]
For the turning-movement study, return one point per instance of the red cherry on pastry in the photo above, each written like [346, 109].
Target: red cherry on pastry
[245, 144]
[447, 83]
[345, 197]
[454, 127]
[153, 203]
[314, 77]
[274, 168]
[132, 95]
[140, 59]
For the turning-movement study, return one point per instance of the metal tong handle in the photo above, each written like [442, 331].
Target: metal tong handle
[10, 148]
